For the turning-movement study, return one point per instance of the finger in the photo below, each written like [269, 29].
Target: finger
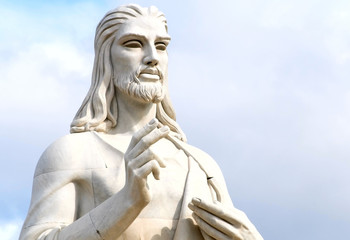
[214, 233]
[216, 222]
[206, 236]
[146, 141]
[150, 167]
[217, 209]
[145, 157]
[149, 127]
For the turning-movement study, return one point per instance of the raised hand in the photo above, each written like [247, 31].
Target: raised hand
[140, 161]
[217, 221]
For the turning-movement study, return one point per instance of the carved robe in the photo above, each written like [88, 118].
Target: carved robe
[80, 171]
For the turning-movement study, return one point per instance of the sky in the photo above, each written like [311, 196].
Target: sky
[262, 86]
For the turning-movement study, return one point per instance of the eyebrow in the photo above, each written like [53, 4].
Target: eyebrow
[135, 35]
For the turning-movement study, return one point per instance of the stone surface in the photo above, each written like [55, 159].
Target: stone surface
[125, 171]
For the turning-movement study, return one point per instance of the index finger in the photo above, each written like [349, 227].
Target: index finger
[149, 127]
[148, 140]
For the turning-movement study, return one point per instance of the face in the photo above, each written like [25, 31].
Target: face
[140, 59]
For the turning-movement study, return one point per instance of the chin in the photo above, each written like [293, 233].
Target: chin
[145, 92]
[148, 98]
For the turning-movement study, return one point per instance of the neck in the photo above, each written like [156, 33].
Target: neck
[132, 114]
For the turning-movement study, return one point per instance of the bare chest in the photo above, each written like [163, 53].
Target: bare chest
[167, 193]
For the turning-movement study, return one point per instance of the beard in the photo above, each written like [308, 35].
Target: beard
[141, 91]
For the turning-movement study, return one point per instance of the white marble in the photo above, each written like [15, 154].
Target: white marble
[126, 171]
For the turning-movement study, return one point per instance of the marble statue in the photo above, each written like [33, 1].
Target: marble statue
[126, 171]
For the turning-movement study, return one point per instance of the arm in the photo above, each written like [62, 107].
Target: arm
[111, 217]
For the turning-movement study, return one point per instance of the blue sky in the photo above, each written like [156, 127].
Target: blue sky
[262, 86]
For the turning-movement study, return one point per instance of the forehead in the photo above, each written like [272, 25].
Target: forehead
[148, 26]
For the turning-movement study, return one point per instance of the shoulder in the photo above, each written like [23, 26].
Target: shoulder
[213, 170]
[198, 153]
[68, 152]
[204, 158]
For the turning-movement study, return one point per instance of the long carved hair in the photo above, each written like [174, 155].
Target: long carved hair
[99, 110]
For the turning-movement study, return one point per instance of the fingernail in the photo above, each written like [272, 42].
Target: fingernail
[191, 206]
[164, 129]
[194, 216]
[161, 163]
[196, 200]
[152, 121]
[157, 177]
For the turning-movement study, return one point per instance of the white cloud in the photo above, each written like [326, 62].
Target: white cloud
[45, 72]
[337, 42]
[42, 76]
[43, 65]
[10, 230]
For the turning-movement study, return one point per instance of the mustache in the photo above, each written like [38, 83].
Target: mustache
[150, 70]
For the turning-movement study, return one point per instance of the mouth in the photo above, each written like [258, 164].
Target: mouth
[150, 75]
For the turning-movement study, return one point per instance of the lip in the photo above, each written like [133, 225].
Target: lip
[149, 75]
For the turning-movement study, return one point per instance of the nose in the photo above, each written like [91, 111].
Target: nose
[151, 57]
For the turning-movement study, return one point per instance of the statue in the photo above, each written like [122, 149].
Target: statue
[126, 171]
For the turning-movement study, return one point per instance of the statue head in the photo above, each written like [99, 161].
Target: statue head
[99, 110]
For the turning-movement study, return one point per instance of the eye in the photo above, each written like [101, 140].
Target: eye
[161, 46]
[132, 44]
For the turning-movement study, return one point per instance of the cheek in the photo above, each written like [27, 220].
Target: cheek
[163, 60]
[124, 58]
[126, 63]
